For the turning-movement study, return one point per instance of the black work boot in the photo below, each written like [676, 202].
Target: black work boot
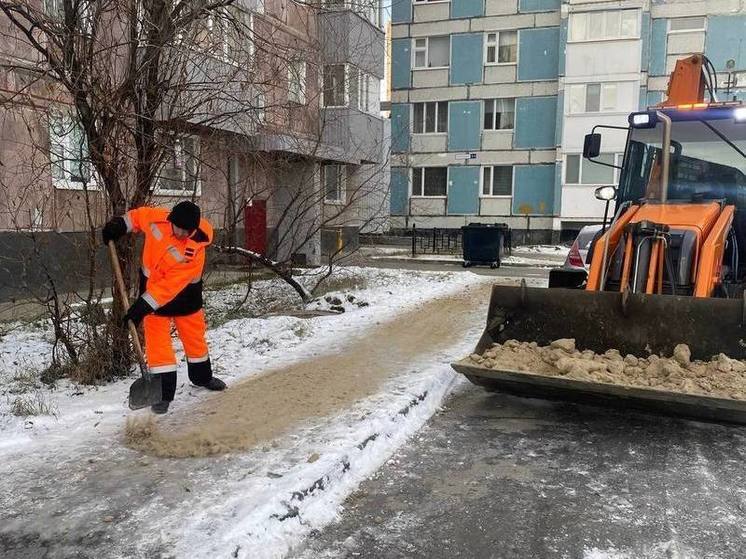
[215, 384]
[160, 408]
[200, 374]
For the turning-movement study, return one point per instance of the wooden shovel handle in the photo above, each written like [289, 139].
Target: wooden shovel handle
[122, 289]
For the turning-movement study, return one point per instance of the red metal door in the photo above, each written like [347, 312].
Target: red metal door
[255, 221]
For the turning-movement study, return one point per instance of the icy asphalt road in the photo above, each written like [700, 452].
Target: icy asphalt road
[495, 476]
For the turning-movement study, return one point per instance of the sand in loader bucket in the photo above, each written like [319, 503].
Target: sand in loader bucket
[263, 408]
[721, 377]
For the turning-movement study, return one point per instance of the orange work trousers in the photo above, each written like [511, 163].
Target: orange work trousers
[159, 348]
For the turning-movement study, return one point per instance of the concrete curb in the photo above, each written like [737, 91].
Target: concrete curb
[388, 260]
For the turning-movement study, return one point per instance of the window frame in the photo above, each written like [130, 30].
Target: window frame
[260, 106]
[494, 115]
[345, 87]
[492, 180]
[68, 122]
[158, 190]
[602, 99]
[422, 189]
[426, 2]
[341, 184]
[427, 52]
[618, 156]
[424, 118]
[303, 82]
[588, 39]
[497, 47]
[702, 29]
[370, 85]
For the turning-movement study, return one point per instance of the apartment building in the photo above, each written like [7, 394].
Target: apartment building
[491, 100]
[296, 115]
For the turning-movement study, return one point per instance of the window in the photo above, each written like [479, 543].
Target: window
[579, 170]
[592, 97]
[260, 107]
[429, 181]
[428, 1]
[334, 180]
[368, 9]
[56, 9]
[499, 114]
[368, 93]
[497, 180]
[335, 85]
[179, 173]
[431, 117]
[501, 48]
[686, 24]
[432, 52]
[297, 82]
[598, 26]
[68, 152]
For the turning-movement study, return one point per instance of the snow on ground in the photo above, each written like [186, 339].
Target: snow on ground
[295, 485]
[554, 250]
[514, 260]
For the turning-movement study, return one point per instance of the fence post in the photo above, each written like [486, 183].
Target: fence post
[414, 238]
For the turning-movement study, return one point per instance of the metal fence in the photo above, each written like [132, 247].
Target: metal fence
[436, 241]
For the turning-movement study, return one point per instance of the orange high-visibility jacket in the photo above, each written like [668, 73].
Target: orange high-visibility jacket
[171, 274]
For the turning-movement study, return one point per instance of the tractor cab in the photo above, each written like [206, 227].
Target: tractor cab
[680, 199]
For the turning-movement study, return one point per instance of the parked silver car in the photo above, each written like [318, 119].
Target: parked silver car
[578, 255]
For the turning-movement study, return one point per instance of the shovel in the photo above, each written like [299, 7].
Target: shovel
[146, 390]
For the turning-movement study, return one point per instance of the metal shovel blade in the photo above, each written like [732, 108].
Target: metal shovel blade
[145, 391]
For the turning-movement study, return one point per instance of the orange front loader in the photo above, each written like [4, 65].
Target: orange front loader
[667, 267]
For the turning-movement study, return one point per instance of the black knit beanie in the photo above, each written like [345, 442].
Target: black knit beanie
[185, 215]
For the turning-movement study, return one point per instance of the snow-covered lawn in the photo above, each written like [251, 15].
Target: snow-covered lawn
[297, 483]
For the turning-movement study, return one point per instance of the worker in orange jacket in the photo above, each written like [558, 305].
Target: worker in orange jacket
[173, 258]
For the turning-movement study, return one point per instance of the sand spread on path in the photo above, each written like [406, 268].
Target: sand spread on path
[720, 377]
[262, 408]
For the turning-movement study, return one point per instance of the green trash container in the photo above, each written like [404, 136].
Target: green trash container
[485, 243]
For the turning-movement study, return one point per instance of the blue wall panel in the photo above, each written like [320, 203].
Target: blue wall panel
[466, 8]
[535, 122]
[658, 37]
[399, 191]
[466, 58]
[557, 189]
[645, 39]
[533, 192]
[726, 39]
[559, 118]
[562, 47]
[399, 128]
[401, 61]
[538, 5]
[464, 125]
[463, 190]
[401, 11]
[538, 53]
[643, 102]
[654, 97]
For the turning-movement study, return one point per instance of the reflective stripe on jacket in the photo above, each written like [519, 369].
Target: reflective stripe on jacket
[171, 276]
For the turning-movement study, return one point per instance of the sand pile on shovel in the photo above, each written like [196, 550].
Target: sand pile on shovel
[721, 377]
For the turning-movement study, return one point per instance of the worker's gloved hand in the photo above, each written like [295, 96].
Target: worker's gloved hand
[139, 309]
[115, 228]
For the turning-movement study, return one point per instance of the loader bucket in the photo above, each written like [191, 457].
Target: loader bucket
[632, 323]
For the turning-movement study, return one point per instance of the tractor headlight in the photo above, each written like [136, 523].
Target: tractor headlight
[643, 120]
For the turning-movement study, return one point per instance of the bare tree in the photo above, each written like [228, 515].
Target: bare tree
[152, 91]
